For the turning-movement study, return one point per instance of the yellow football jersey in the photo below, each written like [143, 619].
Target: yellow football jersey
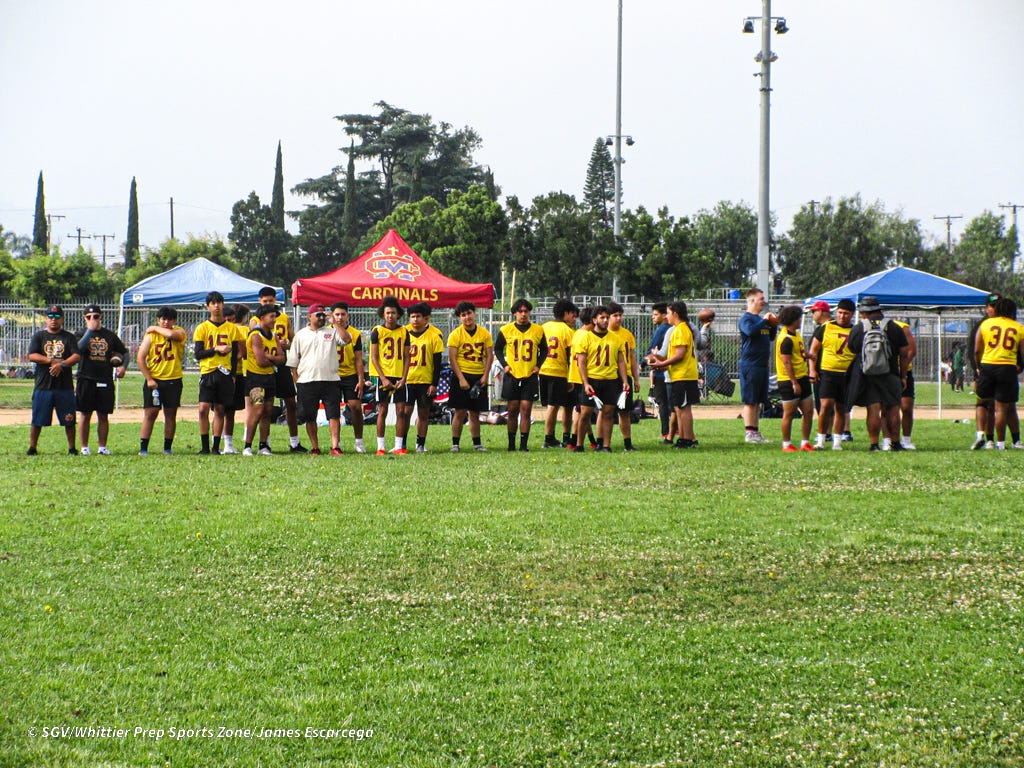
[628, 348]
[471, 349]
[347, 354]
[213, 335]
[522, 348]
[270, 345]
[391, 349]
[1001, 338]
[422, 349]
[602, 354]
[558, 336]
[796, 354]
[903, 325]
[834, 355]
[164, 356]
[574, 345]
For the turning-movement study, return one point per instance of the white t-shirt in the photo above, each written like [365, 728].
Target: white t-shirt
[314, 354]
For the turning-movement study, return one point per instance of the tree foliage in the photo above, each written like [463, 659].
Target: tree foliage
[173, 252]
[599, 187]
[263, 249]
[44, 278]
[131, 244]
[727, 237]
[40, 232]
[986, 254]
[277, 195]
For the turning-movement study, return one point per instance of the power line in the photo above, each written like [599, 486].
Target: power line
[949, 230]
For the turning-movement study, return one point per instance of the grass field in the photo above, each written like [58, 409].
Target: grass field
[726, 606]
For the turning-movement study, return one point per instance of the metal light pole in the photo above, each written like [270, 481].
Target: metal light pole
[765, 57]
[617, 216]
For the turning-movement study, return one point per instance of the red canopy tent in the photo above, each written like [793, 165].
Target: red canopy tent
[389, 268]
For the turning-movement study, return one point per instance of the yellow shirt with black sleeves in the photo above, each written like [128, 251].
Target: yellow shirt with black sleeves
[270, 346]
[685, 369]
[574, 370]
[628, 349]
[212, 335]
[558, 337]
[790, 343]
[164, 356]
[522, 348]
[904, 326]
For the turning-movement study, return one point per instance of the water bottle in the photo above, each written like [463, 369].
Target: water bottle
[156, 397]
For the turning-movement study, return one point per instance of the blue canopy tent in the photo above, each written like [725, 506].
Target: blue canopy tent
[906, 287]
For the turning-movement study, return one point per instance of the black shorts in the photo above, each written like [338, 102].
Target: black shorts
[170, 394]
[832, 386]
[908, 391]
[284, 383]
[238, 403]
[419, 395]
[459, 399]
[260, 388]
[309, 395]
[92, 395]
[884, 390]
[788, 395]
[629, 403]
[683, 393]
[608, 390]
[999, 383]
[347, 386]
[519, 389]
[216, 388]
[554, 391]
[391, 395]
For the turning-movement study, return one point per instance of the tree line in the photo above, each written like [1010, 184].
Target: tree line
[418, 176]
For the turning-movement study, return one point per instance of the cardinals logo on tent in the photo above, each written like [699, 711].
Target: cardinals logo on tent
[392, 264]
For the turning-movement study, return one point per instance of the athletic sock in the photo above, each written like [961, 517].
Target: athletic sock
[229, 441]
[399, 442]
[627, 442]
[1015, 436]
[168, 441]
[144, 444]
[380, 444]
[476, 441]
[421, 440]
[216, 444]
[511, 441]
[204, 443]
[294, 441]
[524, 439]
[567, 437]
[359, 443]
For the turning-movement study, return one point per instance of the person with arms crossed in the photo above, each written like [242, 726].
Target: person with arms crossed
[218, 344]
[389, 362]
[520, 385]
[756, 336]
[576, 382]
[263, 354]
[555, 391]
[55, 352]
[313, 360]
[159, 358]
[102, 357]
[601, 359]
[828, 363]
[470, 355]
[284, 383]
[239, 315]
[659, 391]
[426, 348]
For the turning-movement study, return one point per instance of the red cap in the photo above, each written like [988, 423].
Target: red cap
[314, 308]
[820, 306]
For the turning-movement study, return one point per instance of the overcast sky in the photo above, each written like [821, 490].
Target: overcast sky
[916, 103]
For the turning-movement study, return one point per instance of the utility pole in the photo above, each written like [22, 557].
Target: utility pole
[49, 229]
[104, 238]
[1013, 207]
[813, 203]
[80, 237]
[949, 230]
[172, 218]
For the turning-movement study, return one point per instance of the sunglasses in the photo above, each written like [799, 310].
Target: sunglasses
[87, 317]
[54, 315]
[320, 315]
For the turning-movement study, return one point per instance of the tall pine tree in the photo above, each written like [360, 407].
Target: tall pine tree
[131, 246]
[277, 197]
[599, 188]
[40, 234]
[350, 215]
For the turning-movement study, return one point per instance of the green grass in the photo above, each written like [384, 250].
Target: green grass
[730, 604]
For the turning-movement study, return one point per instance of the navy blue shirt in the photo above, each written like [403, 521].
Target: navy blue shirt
[657, 341]
[756, 337]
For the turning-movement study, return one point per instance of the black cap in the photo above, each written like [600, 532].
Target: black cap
[55, 309]
[93, 309]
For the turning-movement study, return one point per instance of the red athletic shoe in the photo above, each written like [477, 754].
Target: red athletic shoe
[336, 452]
[807, 447]
[790, 449]
[381, 452]
[399, 451]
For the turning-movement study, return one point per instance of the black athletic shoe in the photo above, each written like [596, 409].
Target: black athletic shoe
[896, 446]
[628, 448]
[204, 452]
[31, 452]
[299, 449]
[602, 449]
[72, 452]
[874, 447]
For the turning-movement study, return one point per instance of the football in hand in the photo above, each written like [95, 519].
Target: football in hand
[773, 319]
[705, 315]
[116, 361]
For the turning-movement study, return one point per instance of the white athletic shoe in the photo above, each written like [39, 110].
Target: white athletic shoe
[247, 452]
[86, 451]
[229, 450]
[990, 445]
[837, 446]
[755, 437]
[104, 451]
[266, 452]
[1018, 444]
[479, 448]
[360, 449]
[455, 449]
[908, 446]
[423, 448]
